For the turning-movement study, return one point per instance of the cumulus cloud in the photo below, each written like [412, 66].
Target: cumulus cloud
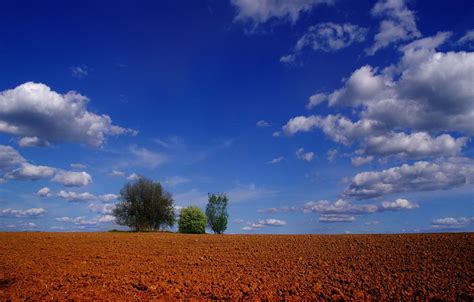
[44, 192]
[33, 212]
[33, 141]
[276, 160]
[327, 37]
[106, 208]
[398, 24]
[76, 197]
[9, 158]
[421, 176]
[263, 124]
[467, 39]
[420, 107]
[306, 156]
[34, 111]
[260, 11]
[452, 223]
[72, 179]
[28, 171]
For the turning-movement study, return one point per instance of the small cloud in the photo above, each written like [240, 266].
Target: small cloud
[335, 218]
[78, 166]
[263, 124]
[331, 154]
[72, 179]
[276, 160]
[108, 197]
[76, 197]
[33, 141]
[276, 134]
[116, 173]
[44, 192]
[134, 176]
[79, 72]
[360, 160]
[315, 100]
[175, 180]
[307, 156]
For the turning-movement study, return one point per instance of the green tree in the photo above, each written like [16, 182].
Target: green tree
[192, 221]
[144, 206]
[216, 212]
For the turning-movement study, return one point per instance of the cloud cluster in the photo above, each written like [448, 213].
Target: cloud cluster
[83, 221]
[398, 24]
[260, 11]
[264, 223]
[327, 37]
[403, 108]
[86, 196]
[39, 115]
[452, 223]
[33, 212]
[420, 176]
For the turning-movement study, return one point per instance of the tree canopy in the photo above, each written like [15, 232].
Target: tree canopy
[192, 221]
[145, 206]
[216, 212]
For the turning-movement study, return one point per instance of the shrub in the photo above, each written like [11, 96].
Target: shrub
[192, 221]
[216, 212]
[144, 206]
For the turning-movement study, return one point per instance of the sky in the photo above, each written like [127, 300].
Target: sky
[313, 116]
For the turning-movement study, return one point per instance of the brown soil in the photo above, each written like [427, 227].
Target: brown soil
[145, 266]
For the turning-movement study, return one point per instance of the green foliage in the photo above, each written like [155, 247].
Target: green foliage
[192, 221]
[216, 212]
[144, 206]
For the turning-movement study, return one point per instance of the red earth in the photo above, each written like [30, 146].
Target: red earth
[153, 266]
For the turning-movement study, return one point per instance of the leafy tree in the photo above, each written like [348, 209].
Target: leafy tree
[216, 212]
[144, 206]
[192, 221]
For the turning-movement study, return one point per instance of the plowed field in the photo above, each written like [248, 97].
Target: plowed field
[145, 266]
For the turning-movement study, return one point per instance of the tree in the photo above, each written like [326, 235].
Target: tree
[216, 212]
[192, 221]
[144, 206]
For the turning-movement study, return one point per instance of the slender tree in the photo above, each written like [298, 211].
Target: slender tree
[216, 212]
[144, 206]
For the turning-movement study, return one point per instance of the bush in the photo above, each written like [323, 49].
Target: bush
[192, 221]
[216, 212]
[144, 206]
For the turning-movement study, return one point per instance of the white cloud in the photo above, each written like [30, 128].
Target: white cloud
[307, 156]
[33, 141]
[28, 171]
[106, 218]
[359, 160]
[452, 223]
[134, 176]
[276, 160]
[44, 192]
[34, 110]
[33, 212]
[263, 124]
[9, 158]
[260, 11]
[421, 176]
[336, 218]
[83, 221]
[327, 37]
[116, 173]
[76, 197]
[147, 158]
[315, 100]
[263, 223]
[398, 204]
[398, 24]
[108, 197]
[106, 208]
[72, 179]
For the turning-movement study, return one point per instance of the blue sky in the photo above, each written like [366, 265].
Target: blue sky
[314, 116]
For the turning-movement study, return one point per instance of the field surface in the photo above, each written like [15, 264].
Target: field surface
[146, 266]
